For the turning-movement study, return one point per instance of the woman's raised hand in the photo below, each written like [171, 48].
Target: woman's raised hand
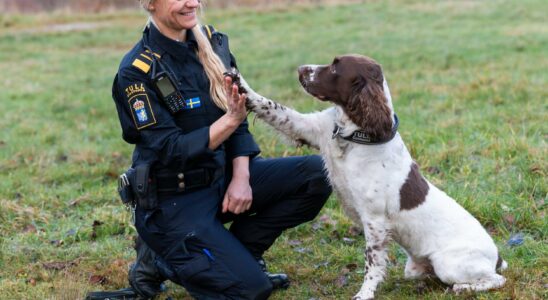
[236, 101]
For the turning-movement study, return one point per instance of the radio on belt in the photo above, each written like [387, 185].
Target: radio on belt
[169, 93]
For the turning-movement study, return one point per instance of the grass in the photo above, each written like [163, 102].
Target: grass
[468, 80]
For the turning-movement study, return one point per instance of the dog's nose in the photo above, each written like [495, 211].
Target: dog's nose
[303, 70]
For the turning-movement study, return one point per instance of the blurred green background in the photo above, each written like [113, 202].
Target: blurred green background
[469, 81]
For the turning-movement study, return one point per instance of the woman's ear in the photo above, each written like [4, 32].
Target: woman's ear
[367, 108]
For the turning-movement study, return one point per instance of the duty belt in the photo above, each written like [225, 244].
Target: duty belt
[184, 181]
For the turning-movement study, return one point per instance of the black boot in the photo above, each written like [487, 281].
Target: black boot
[143, 275]
[278, 280]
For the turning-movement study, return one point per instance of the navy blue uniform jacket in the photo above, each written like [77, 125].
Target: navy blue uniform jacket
[176, 141]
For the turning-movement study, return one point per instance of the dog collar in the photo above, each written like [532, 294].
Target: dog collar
[361, 137]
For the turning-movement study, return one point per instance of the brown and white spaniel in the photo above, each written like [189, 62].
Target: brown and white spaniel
[378, 182]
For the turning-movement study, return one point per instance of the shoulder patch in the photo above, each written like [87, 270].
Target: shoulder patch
[139, 105]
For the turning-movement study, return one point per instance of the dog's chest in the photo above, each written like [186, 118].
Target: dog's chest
[347, 168]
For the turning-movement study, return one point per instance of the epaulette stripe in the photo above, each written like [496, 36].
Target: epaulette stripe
[209, 34]
[155, 54]
[146, 56]
[141, 65]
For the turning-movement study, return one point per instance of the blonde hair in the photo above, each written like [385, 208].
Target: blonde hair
[213, 66]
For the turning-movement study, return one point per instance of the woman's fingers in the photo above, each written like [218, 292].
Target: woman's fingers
[226, 203]
[228, 82]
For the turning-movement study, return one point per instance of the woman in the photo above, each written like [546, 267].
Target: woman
[187, 122]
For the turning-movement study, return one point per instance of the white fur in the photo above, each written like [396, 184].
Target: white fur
[439, 235]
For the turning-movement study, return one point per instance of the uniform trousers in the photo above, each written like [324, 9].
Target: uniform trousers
[198, 252]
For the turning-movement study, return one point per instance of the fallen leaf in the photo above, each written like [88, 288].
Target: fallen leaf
[31, 281]
[97, 279]
[294, 242]
[352, 266]
[112, 174]
[509, 218]
[303, 250]
[341, 281]
[30, 228]
[355, 230]
[326, 219]
[97, 223]
[316, 226]
[433, 170]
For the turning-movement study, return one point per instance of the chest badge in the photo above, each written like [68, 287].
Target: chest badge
[193, 103]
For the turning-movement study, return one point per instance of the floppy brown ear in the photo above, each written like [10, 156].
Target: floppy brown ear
[367, 108]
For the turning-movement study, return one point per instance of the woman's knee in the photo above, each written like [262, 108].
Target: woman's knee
[316, 174]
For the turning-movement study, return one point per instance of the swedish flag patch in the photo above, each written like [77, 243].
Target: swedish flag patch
[193, 103]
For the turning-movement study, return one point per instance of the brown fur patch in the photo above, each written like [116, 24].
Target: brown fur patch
[414, 190]
[368, 109]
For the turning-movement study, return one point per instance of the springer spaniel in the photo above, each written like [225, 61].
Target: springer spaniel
[378, 182]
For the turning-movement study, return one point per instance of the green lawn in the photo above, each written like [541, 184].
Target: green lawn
[469, 81]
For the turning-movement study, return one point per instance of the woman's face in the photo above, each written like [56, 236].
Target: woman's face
[175, 14]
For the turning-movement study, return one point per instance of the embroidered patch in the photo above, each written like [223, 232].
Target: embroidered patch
[141, 111]
[192, 103]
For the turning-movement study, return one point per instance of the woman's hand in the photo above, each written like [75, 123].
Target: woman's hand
[238, 196]
[236, 102]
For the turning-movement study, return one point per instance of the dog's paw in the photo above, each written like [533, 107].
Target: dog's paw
[363, 296]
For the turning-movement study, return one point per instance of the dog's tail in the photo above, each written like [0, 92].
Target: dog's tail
[501, 264]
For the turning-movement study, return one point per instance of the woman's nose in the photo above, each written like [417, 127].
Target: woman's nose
[193, 3]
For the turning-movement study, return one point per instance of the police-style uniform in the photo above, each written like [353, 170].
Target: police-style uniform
[184, 225]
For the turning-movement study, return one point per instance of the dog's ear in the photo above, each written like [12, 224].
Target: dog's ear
[368, 108]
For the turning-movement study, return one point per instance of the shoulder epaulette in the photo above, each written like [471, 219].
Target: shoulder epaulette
[210, 30]
[144, 60]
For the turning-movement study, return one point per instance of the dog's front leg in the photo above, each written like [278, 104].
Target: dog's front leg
[301, 128]
[376, 254]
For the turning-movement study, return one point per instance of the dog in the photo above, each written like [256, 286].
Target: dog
[377, 181]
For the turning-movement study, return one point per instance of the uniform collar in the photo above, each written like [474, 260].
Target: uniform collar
[174, 48]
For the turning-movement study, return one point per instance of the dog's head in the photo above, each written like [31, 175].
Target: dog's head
[355, 83]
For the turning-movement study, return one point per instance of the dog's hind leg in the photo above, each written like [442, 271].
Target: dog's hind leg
[376, 253]
[416, 270]
[470, 271]
[494, 281]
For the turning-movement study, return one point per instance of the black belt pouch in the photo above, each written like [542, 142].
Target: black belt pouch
[144, 186]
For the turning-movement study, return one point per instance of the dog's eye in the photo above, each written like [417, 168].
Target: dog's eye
[332, 69]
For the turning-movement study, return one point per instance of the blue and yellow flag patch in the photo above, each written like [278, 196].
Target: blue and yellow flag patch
[193, 103]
